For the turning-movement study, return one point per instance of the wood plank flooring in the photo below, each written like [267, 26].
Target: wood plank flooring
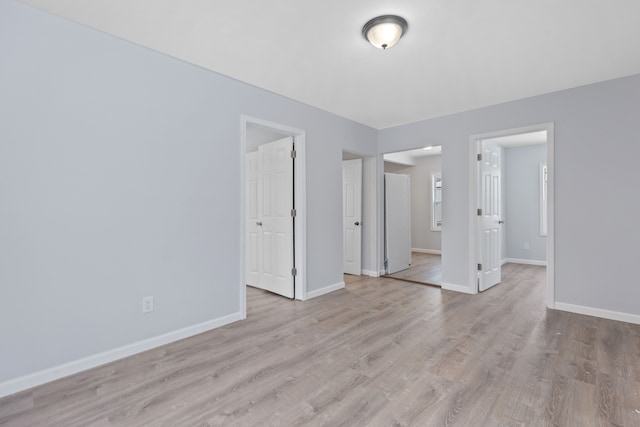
[425, 268]
[380, 353]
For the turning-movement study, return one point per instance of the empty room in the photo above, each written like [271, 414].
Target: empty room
[194, 213]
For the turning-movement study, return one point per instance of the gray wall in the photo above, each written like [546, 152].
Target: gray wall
[119, 179]
[420, 176]
[522, 193]
[594, 265]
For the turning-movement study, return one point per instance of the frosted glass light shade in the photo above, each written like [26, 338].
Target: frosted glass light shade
[384, 31]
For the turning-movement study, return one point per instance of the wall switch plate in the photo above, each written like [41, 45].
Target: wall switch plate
[526, 245]
[147, 305]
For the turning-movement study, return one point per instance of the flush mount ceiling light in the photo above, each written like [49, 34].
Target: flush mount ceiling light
[384, 31]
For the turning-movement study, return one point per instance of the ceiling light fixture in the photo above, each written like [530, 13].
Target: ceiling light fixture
[384, 31]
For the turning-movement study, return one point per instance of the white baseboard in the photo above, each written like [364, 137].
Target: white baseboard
[524, 261]
[370, 273]
[458, 288]
[427, 251]
[325, 290]
[598, 312]
[70, 368]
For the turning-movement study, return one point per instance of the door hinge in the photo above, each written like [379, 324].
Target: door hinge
[293, 213]
[479, 212]
[293, 154]
[479, 157]
[294, 271]
[479, 267]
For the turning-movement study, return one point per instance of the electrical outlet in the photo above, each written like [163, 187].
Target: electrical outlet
[526, 245]
[147, 305]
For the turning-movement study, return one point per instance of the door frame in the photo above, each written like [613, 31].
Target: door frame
[370, 220]
[300, 228]
[474, 142]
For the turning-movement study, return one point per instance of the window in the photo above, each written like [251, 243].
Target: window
[543, 199]
[436, 201]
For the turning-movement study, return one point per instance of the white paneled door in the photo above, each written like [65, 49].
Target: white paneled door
[269, 206]
[397, 222]
[489, 221]
[352, 215]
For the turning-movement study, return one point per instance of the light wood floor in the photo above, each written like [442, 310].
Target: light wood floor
[379, 353]
[425, 268]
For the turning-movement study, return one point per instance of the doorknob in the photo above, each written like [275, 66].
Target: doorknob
[357, 223]
[259, 223]
[500, 222]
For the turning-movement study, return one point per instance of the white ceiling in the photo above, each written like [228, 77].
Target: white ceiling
[409, 157]
[522, 139]
[457, 55]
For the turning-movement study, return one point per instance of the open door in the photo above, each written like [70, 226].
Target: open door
[270, 216]
[352, 216]
[489, 216]
[397, 222]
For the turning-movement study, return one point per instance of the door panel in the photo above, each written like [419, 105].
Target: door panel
[352, 216]
[269, 202]
[490, 228]
[397, 201]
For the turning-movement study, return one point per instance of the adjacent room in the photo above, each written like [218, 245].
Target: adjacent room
[419, 247]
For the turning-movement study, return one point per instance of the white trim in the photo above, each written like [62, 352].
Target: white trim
[473, 187]
[370, 273]
[243, 230]
[458, 288]
[325, 290]
[599, 312]
[427, 251]
[551, 219]
[524, 261]
[300, 178]
[370, 164]
[89, 362]
[473, 217]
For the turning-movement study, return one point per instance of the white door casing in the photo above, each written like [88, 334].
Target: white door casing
[352, 216]
[269, 253]
[397, 217]
[489, 220]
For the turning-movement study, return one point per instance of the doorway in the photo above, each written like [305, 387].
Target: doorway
[255, 133]
[512, 202]
[270, 217]
[359, 214]
[422, 168]
[352, 216]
